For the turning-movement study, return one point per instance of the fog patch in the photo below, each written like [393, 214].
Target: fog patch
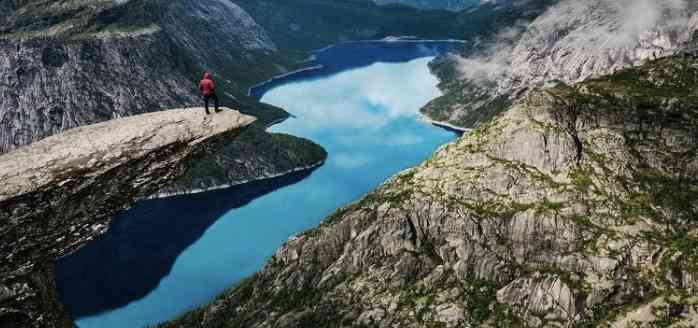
[596, 25]
[494, 61]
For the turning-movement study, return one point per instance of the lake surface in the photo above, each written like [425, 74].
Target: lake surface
[167, 256]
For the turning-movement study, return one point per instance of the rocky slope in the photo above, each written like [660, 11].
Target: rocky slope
[70, 63]
[51, 86]
[575, 208]
[59, 193]
[252, 155]
[571, 42]
[97, 60]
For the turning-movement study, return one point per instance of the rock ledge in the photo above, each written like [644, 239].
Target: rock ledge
[61, 192]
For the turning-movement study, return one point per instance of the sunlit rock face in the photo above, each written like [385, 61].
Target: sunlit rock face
[61, 192]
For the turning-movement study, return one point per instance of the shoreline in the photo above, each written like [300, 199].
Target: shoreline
[281, 76]
[444, 125]
[228, 185]
[421, 117]
[277, 121]
[388, 39]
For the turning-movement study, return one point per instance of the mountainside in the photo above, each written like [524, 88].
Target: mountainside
[71, 63]
[59, 193]
[253, 155]
[571, 42]
[575, 208]
[97, 60]
[313, 24]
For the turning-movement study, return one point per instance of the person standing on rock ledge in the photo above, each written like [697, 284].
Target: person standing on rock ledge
[208, 90]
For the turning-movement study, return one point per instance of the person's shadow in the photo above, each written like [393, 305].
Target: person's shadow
[140, 248]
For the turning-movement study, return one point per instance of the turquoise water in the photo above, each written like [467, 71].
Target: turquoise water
[167, 256]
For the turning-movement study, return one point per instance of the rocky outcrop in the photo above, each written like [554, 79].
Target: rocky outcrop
[99, 60]
[253, 155]
[74, 63]
[50, 86]
[61, 192]
[571, 42]
[575, 208]
[576, 41]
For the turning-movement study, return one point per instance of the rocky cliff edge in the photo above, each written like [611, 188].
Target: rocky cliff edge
[61, 192]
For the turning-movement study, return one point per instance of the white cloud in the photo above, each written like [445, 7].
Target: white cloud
[627, 20]
[582, 29]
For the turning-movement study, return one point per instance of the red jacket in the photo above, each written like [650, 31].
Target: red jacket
[207, 86]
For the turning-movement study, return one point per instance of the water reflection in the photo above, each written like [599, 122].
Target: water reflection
[385, 92]
[142, 245]
[365, 117]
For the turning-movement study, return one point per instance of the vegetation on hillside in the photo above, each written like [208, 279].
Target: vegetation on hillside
[312, 24]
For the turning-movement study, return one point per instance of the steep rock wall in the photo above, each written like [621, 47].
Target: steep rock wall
[571, 42]
[50, 86]
[59, 193]
[67, 64]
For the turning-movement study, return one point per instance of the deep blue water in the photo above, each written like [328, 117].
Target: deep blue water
[167, 256]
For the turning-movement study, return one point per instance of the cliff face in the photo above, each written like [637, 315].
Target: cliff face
[253, 155]
[59, 193]
[50, 86]
[71, 63]
[571, 42]
[575, 208]
[575, 41]
[105, 61]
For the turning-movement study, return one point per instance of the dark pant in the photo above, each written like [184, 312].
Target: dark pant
[207, 98]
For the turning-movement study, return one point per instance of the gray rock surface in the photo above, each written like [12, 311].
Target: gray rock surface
[574, 41]
[61, 192]
[571, 42]
[50, 86]
[81, 70]
[73, 63]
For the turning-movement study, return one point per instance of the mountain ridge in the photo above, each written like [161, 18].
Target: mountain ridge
[571, 42]
[73, 63]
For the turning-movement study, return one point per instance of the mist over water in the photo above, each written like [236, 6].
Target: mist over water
[366, 118]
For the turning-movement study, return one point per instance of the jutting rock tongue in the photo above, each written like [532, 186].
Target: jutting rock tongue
[61, 192]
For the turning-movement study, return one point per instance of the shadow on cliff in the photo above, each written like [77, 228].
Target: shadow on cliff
[128, 262]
